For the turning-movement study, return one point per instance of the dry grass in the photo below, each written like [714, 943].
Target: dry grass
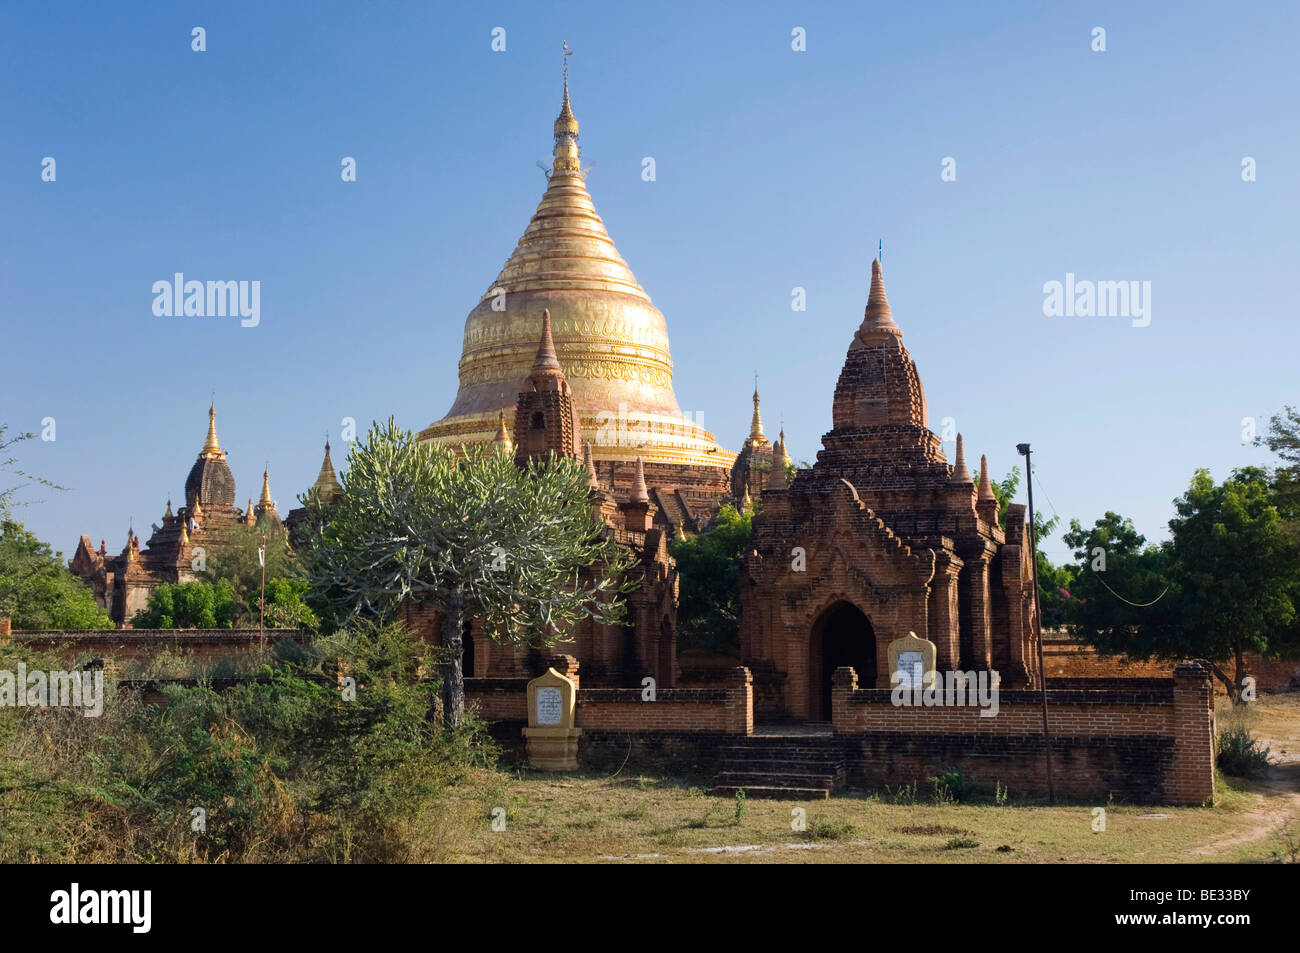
[588, 817]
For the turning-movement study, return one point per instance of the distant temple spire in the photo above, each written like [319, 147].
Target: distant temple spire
[266, 488]
[502, 439]
[211, 447]
[986, 502]
[756, 422]
[780, 452]
[546, 363]
[986, 488]
[877, 323]
[639, 492]
[327, 486]
[959, 472]
[593, 481]
[777, 480]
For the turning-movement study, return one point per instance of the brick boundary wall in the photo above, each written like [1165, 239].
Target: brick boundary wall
[143, 644]
[673, 752]
[1151, 742]
[724, 710]
[1066, 658]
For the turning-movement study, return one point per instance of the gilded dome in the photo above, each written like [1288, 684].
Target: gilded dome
[611, 341]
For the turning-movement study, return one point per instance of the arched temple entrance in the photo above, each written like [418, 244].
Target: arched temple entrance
[841, 636]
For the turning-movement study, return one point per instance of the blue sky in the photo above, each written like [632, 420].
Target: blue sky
[776, 169]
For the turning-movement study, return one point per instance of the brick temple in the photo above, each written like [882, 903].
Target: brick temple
[881, 537]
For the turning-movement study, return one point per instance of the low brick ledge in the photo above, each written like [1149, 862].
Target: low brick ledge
[1020, 696]
[142, 636]
[679, 696]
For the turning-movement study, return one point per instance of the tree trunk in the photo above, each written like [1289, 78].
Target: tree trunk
[1241, 675]
[1222, 676]
[453, 648]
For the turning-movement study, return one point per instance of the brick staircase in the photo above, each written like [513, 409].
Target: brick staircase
[795, 762]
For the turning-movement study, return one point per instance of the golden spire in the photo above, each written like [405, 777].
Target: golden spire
[185, 534]
[566, 130]
[211, 448]
[250, 517]
[502, 439]
[327, 486]
[756, 423]
[265, 501]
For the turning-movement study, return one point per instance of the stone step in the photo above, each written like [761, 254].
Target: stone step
[771, 751]
[773, 793]
[782, 765]
[775, 779]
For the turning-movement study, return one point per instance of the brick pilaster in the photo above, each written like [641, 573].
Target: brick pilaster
[1191, 777]
[740, 701]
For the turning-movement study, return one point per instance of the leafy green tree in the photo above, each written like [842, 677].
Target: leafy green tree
[1226, 583]
[286, 605]
[708, 570]
[1237, 570]
[236, 561]
[189, 605]
[36, 589]
[1283, 438]
[1120, 600]
[518, 548]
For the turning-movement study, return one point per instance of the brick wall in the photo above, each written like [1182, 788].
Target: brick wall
[1150, 741]
[1065, 658]
[128, 644]
[498, 699]
[727, 708]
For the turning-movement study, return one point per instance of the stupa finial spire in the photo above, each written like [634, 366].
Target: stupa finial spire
[877, 323]
[756, 422]
[959, 472]
[211, 446]
[566, 129]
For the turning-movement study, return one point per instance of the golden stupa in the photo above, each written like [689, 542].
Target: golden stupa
[611, 340]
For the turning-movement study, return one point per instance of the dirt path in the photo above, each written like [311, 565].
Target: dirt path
[1275, 799]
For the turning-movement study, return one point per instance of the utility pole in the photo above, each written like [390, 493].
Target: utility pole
[1038, 621]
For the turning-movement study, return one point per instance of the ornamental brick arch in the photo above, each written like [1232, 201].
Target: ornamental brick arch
[841, 634]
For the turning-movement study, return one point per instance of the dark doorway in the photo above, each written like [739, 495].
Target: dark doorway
[842, 636]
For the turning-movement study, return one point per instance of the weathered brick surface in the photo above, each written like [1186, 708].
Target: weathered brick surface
[1132, 767]
[1146, 740]
[1066, 658]
[690, 752]
[127, 644]
[728, 709]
